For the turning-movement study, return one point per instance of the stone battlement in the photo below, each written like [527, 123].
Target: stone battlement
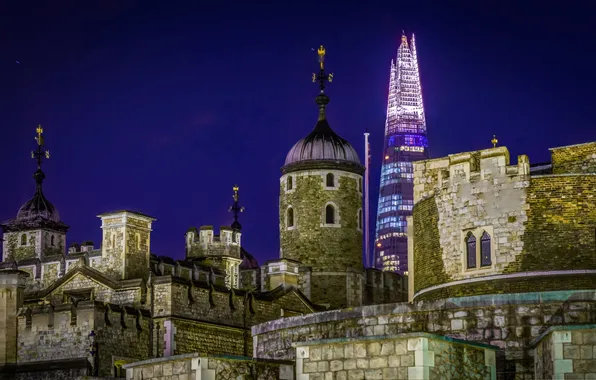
[205, 242]
[469, 167]
[477, 218]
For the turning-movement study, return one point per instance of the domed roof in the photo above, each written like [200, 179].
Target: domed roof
[37, 212]
[322, 144]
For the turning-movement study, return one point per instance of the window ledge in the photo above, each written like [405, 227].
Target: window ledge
[331, 187]
[335, 225]
[291, 228]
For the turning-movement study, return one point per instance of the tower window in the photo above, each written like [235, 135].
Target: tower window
[138, 238]
[471, 250]
[290, 183]
[330, 213]
[330, 180]
[24, 239]
[359, 219]
[52, 243]
[360, 184]
[290, 218]
[485, 254]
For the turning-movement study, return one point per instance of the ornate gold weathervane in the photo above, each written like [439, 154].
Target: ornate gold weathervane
[494, 141]
[322, 77]
[39, 153]
[236, 209]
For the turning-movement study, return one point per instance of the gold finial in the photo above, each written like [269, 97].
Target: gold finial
[321, 53]
[494, 141]
[39, 137]
[235, 188]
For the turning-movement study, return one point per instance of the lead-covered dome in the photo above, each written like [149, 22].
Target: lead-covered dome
[322, 144]
[37, 212]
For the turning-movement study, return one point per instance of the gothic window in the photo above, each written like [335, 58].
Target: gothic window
[471, 250]
[52, 243]
[330, 180]
[24, 239]
[290, 217]
[485, 259]
[290, 183]
[330, 214]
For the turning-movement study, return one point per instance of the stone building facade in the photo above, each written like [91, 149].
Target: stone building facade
[93, 311]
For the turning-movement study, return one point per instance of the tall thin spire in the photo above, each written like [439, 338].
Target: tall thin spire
[322, 77]
[236, 209]
[405, 141]
[39, 154]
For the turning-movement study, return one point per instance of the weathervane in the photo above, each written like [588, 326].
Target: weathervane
[236, 209]
[494, 141]
[39, 153]
[322, 77]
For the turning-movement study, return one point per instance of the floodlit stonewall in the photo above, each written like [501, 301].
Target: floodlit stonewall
[194, 366]
[406, 356]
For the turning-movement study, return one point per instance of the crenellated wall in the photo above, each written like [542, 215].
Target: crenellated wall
[538, 226]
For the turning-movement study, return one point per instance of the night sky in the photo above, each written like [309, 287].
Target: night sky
[162, 107]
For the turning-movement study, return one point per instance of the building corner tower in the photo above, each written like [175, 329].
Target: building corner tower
[405, 141]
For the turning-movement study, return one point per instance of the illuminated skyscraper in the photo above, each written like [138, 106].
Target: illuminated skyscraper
[405, 141]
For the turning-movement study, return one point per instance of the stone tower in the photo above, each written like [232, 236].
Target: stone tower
[36, 231]
[125, 244]
[320, 208]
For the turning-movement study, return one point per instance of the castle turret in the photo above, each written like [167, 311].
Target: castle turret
[321, 209]
[125, 244]
[12, 284]
[36, 231]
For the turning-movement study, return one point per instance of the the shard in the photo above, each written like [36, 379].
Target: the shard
[405, 142]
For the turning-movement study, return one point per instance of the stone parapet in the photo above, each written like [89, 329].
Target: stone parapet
[508, 321]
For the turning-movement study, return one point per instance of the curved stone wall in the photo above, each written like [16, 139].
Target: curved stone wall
[309, 239]
[541, 229]
[508, 321]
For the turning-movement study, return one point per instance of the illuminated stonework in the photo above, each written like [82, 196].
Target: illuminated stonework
[405, 141]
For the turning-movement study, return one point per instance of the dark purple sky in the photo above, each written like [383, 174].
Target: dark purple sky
[162, 108]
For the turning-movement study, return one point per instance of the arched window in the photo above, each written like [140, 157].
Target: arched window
[24, 239]
[330, 180]
[360, 218]
[52, 243]
[485, 256]
[329, 214]
[290, 183]
[290, 217]
[471, 250]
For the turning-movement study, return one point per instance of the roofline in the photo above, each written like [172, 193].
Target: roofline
[126, 212]
[571, 146]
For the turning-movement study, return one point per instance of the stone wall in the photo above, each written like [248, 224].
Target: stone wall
[329, 248]
[507, 321]
[407, 356]
[566, 352]
[580, 158]
[200, 367]
[62, 333]
[540, 225]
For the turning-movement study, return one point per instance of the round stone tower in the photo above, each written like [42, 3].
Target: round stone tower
[320, 208]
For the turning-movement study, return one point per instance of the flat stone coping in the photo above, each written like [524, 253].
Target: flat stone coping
[446, 304]
[398, 336]
[198, 355]
[508, 276]
[551, 329]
